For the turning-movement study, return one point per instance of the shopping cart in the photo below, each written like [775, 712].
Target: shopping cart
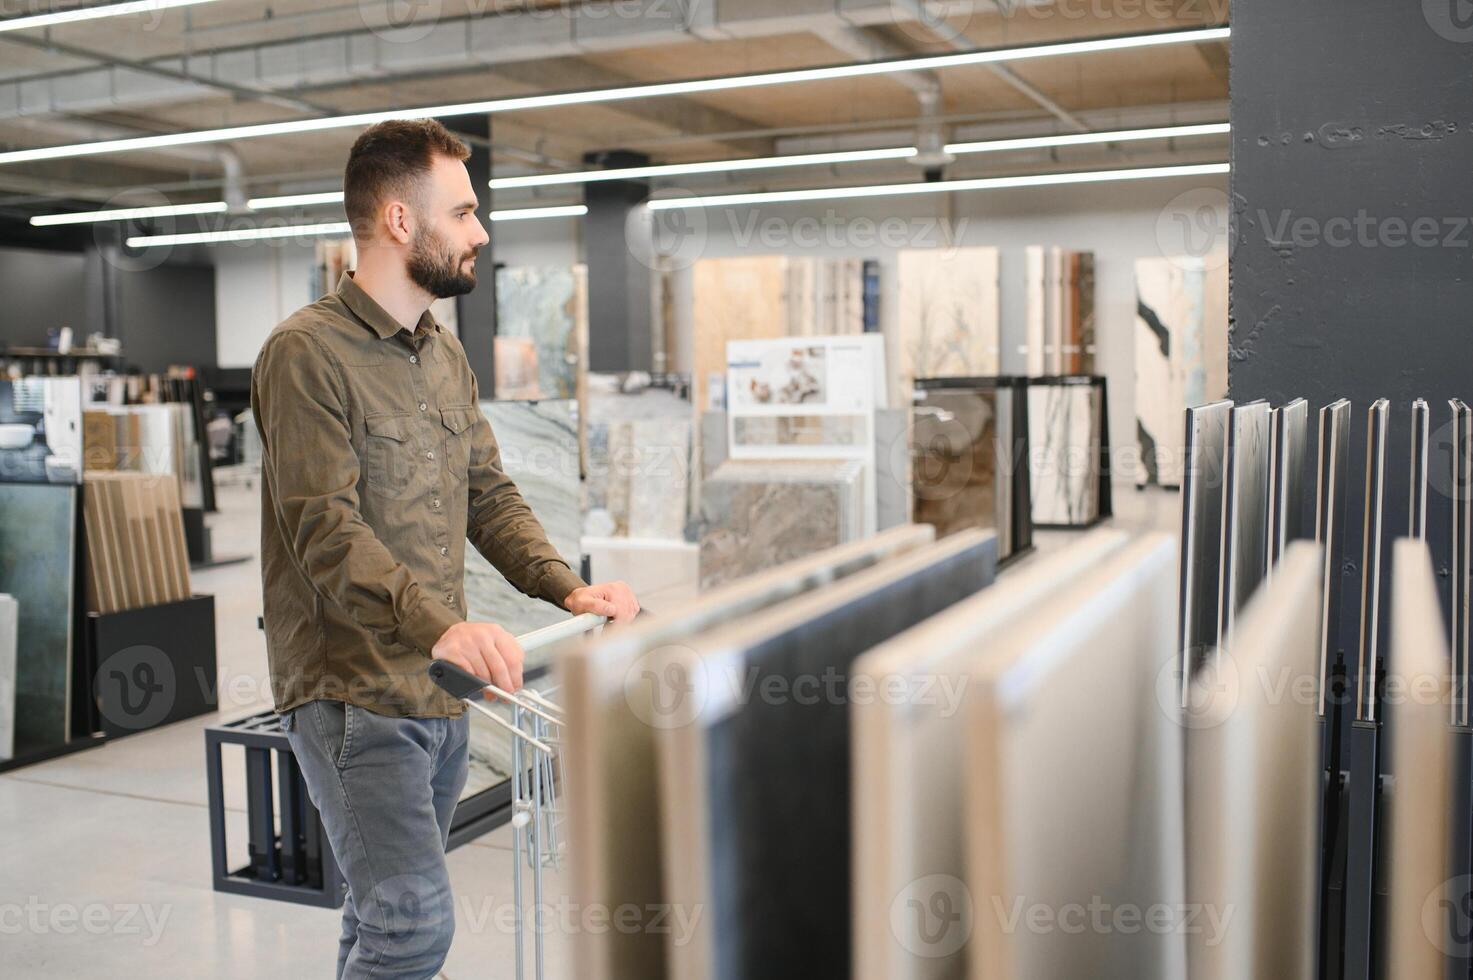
[536, 817]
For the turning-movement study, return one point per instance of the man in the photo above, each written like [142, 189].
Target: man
[377, 465]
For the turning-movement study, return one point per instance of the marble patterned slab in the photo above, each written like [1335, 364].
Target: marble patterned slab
[756, 514]
[651, 469]
[948, 317]
[9, 622]
[1064, 426]
[1180, 355]
[1078, 354]
[548, 305]
[38, 527]
[954, 461]
[539, 450]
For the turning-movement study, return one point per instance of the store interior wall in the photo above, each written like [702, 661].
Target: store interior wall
[44, 290]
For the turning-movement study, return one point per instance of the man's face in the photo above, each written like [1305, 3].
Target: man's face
[447, 233]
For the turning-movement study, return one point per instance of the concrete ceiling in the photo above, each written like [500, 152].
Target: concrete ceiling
[242, 61]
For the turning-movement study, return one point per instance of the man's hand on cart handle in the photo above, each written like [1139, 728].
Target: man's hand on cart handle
[613, 600]
[484, 649]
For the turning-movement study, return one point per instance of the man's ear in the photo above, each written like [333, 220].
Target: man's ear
[399, 221]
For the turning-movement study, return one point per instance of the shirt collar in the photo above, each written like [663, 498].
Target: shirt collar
[356, 298]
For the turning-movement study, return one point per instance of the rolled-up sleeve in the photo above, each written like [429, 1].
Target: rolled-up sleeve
[300, 400]
[503, 528]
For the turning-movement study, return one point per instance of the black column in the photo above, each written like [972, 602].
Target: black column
[619, 283]
[476, 310]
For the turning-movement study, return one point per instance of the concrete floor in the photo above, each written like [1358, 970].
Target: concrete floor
[106, 855]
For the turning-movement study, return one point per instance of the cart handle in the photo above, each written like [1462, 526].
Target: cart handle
[461, 683]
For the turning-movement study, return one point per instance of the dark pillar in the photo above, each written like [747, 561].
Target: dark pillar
[620, 335]
[476, 310]
[1352, 272]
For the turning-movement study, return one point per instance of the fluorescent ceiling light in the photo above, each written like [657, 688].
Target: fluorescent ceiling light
[523, 214]
[923, 63]
[1083, 139]
[123, 214]
[855, 156]
[938, 187]
[294, 200]
[704, 167]
[326, 229]
[94, 13]
[241, 235]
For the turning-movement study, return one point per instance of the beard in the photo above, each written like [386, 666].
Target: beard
[434, 267]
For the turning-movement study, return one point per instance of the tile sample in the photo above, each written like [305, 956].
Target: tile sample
[892, 467]
[755, 791]
[756, 514]
[1180, 354]
[1331, 493]
[906, 757]
[655, 454]
[517, 377]
[1460, 461]
[539, 451]
[1106, 826]
[1033, 312]
[1245, 512]
[1078, 354]
[38, 548]
[1203, 494]
[1288, 449]
[549, 306]
[1418, 832]
[739, 298]
[9, 623]
[1065, 422]
[948, 317]
[610, 688]
[1374, 557]
[1253, 786]
[955, 460]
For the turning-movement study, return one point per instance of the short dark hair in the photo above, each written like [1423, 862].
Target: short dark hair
[388, 159]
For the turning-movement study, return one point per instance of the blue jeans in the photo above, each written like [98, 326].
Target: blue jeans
[386, 788]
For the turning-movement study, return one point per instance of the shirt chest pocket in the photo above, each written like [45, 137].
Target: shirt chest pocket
[389, 461]
[457, 421]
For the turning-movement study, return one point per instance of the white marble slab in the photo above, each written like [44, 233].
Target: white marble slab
[948, 319]
[1064, 425]
[9, 623]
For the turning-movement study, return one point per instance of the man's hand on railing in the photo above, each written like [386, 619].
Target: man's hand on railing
[614, 600]
[484, 649]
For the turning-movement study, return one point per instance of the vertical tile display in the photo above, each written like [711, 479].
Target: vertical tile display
[1034, 292]
[1079, 324]
[756, 514]
[1065, 422]
[1180, 355]
[547, 305]
[539, 450]
[739, 298]
[947, 322]
[38, 547]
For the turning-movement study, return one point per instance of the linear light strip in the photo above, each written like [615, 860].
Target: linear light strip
[704, 167]
[938, 187]
[241, 235]
[930, 62]
[94, 13]
[855, 156]
[124, 214]
[294, 200]
[325, 229]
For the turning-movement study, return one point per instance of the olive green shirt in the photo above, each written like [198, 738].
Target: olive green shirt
[376, 465]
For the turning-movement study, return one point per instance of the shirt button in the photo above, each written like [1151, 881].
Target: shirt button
[436, 502]
[450, 597]
[413, 358]
[444, 550]
[430, 454]
[422, 406]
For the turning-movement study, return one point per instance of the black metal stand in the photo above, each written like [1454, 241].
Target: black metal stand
[150, 666]
[295, 865]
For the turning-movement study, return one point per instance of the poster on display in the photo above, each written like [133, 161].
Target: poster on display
[41, 430]
[807, 398]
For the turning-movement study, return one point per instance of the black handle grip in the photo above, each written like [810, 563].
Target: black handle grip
[458, 681]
